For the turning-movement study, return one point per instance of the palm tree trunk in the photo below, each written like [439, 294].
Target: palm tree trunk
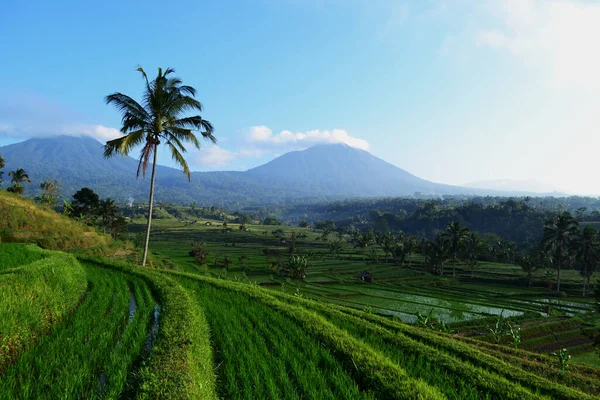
[150, 206]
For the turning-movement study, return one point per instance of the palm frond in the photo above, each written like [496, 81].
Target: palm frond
[178, 158]
[181, 104]
[141, 70]
[188, 90]
[145, 154]
[186, 135]
[124, 144]
[125, 103]
[172, 139]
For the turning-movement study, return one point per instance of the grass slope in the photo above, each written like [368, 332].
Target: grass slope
[22, 220]
[35, 297]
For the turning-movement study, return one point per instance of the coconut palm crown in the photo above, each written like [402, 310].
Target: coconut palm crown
[161, 118]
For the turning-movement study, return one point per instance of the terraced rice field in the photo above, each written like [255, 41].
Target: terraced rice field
[120, 331]
[401, 292]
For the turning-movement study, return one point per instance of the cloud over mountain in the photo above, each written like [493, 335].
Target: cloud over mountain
[263, 137]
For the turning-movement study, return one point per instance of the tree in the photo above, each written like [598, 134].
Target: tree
[85, 203]
[292, 243]
[362, 240]
[159, 119]
[335, 247]
[107, 212]
[529, 264]
[471, 249]
[387, 241]
[1, 167]
[436, 254]
[118, 227]
[455, 235]
[410, 245]
[560, 234]
[50, 192]
[271, 221]
[199, 252]
[17, 177]
[588, 254]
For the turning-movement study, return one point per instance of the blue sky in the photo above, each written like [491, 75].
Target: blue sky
[453, 91]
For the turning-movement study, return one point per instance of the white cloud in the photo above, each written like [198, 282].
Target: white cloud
[99, 132]
[212, 157]
[556, 36]
[262, 137]
[44, 130]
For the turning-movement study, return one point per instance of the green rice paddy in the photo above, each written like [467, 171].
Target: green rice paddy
[98, 328]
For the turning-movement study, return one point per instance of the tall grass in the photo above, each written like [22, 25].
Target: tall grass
[180, 364]
[21, 220]
[261, 354]
[89, 355]
[14, 255]
[35, 297]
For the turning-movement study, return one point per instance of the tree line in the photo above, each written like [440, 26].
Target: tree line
[564, 244]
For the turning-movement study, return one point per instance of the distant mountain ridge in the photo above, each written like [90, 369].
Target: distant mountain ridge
[529, 185]
[321, 172]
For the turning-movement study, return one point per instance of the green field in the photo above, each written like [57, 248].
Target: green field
[100, 328]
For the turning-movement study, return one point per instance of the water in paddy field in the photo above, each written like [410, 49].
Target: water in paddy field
[132, 305]
[153, 330]
[406, 306]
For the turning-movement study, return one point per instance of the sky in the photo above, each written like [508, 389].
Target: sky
[453, 91]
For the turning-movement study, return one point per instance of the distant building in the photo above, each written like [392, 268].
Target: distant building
[365, 276]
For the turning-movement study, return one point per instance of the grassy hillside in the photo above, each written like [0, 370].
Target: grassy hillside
[22, 220]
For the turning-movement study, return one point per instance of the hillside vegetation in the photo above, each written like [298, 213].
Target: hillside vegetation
[22, 220]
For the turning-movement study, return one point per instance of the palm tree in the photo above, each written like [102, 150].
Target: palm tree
[588, 254]
[159, 119]
[17, 177]
[410, 245]
[471, 249]
[455, 235]
[559, 236]
[529, 264]
[50, 191]
[107, 211]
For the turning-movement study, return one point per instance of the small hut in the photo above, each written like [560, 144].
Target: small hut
[365, 276]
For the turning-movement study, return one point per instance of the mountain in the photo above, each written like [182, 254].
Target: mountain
[320, 172]
[530, 186]
[338, 169]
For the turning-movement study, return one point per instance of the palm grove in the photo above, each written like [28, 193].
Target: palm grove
[564, 245]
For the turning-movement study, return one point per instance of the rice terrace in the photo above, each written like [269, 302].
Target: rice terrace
[242, 227]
